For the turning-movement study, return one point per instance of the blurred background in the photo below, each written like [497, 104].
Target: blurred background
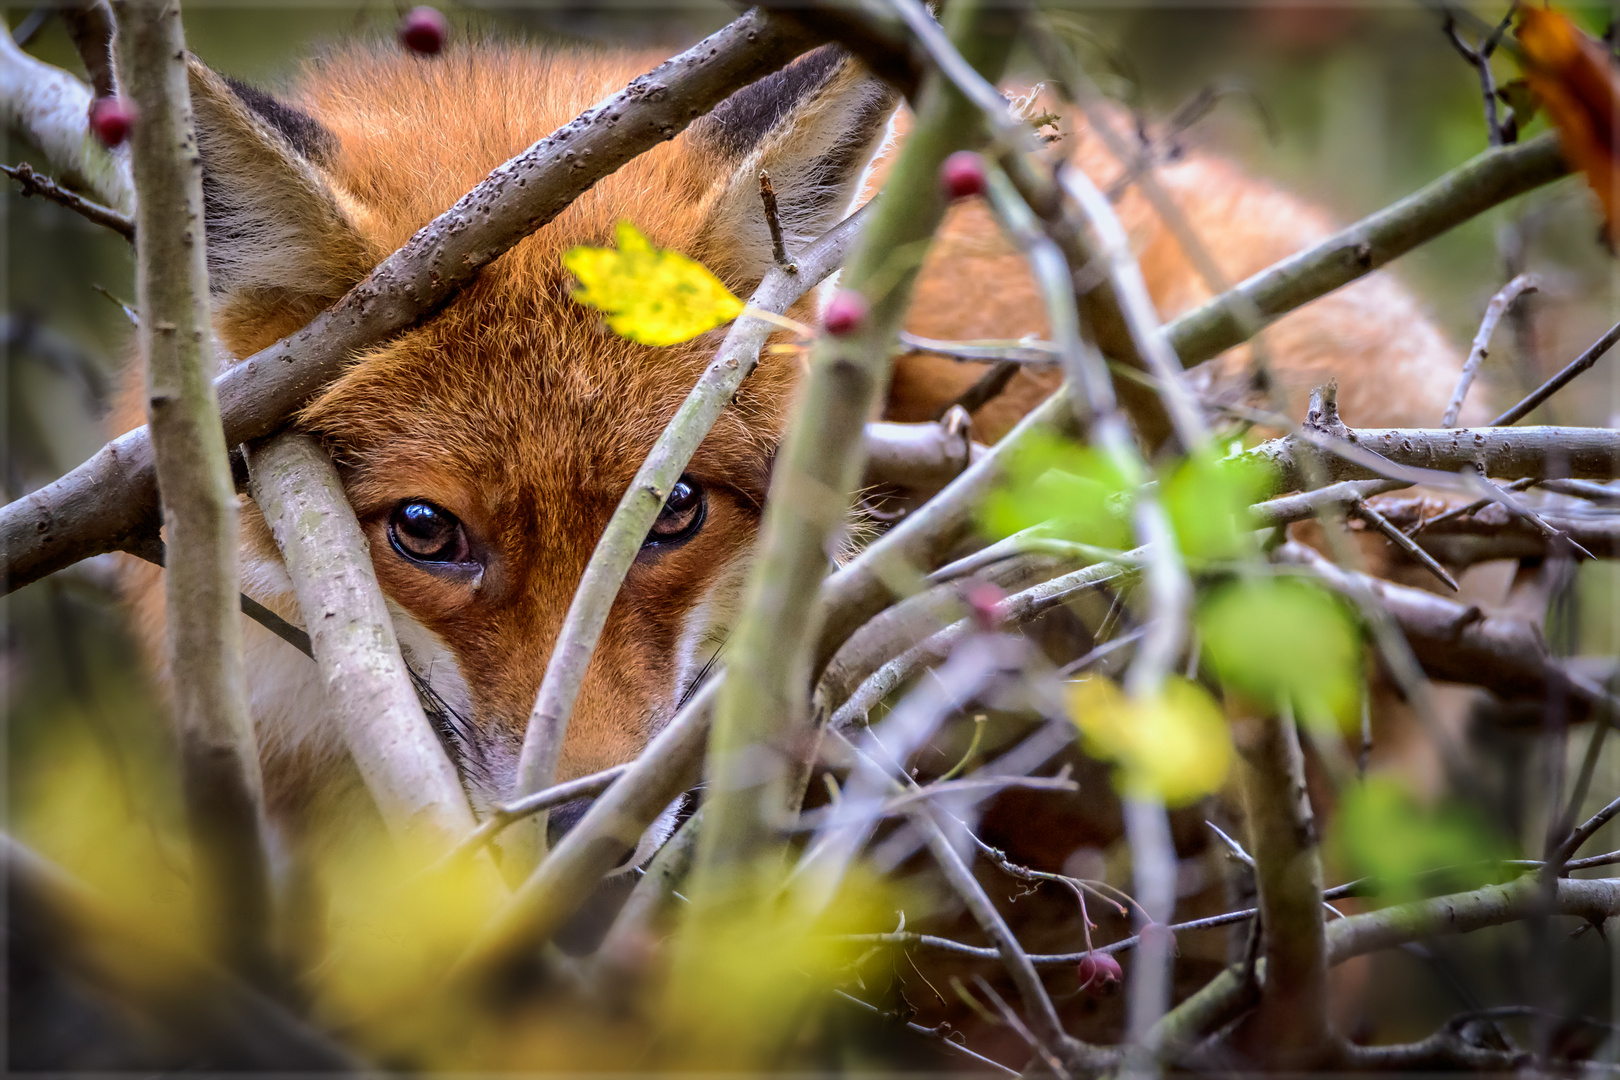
[1352, 106]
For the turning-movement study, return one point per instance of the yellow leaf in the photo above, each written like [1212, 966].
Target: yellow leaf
[1173, 746]
[651, 296]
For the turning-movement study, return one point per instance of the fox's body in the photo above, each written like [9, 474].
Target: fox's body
[514, 411]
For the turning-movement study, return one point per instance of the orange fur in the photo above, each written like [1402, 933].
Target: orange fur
[514, 409]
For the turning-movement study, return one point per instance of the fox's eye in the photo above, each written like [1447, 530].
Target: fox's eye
[682, 514]
[426, 533]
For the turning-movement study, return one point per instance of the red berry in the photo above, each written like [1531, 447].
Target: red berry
[111, 118]
[845, 314]
[985, 598]
[963, 174]
[423, 30]
[1099, 974]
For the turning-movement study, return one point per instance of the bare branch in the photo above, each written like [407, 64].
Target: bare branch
[101, 504]
[1592, 899]
[1504, 299]
[1462, 644]
[773, 222]
[920, 458]
[1426, 455]
[34, 183]
[1560, 380]
[219, 761]
[553, 796]
[1291, 1027]
[368, 689]
[1042, 1014]
[90, 25]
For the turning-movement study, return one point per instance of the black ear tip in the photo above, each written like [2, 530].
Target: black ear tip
[738, 123]
[302, 131]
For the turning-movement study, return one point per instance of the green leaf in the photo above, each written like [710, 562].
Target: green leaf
[1174, 746]
[1283, 639]
[1079, 493]
[650, 295]
[1208, 501]
[1383, 832]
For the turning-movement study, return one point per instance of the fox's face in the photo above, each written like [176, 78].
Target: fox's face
[485, 450]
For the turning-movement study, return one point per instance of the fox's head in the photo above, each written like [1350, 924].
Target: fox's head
[485, 450]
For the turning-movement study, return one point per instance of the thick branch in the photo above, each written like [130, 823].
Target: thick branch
[1459, 643]
[219, 761]
[1580, 453]
[1592, 899]
[54, 527]
[368, 689]
[1291, 1028]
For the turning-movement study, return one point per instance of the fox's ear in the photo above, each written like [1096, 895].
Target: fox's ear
[814, 126]
[276, 226]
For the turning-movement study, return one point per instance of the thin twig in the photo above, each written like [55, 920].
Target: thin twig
[34, 183]
[1023, 351]
[502, 816]
[1042, 1014]
[610, 830]
[933, 1035]
[773, 221]
[1547, 389]
[1404, 542]
[1505, 298]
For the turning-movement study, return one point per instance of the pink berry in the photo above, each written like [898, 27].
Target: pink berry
[984, 598]
[111, 119]
[1099, 973]
[423, 30]
[846, 313]
[963, 174]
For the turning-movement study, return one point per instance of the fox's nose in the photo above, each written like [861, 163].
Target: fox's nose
[563, 818]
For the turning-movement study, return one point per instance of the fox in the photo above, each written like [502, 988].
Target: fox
[484, 450]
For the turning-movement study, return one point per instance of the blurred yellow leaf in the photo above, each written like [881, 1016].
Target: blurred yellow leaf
[745, 984]
[1285, 640]
[1173, 746]
[395, 925]
[1576, 80]
[650, 295]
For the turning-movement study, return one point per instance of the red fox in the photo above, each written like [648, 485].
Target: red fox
[484, 450]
